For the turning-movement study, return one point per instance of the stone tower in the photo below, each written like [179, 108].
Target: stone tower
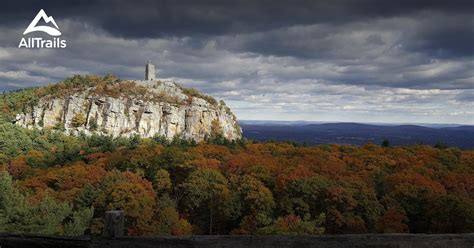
[149, 71]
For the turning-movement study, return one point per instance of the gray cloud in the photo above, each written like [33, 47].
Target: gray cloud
[336, 61]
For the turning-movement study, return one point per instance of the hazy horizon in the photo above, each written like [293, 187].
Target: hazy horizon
[362, 122]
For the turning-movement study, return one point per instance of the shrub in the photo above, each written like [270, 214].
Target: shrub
[78, 120]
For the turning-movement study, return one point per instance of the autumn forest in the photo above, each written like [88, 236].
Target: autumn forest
[51, 183]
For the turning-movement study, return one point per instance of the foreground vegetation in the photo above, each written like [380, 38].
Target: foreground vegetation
[51, 183]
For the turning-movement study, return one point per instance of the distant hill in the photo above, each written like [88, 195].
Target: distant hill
[358, 134]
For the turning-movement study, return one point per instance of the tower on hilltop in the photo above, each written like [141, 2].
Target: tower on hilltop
[149, 71]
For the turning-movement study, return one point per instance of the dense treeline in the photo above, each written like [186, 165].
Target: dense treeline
[51, 183]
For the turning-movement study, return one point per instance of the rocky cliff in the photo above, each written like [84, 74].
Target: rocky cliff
[125, 108]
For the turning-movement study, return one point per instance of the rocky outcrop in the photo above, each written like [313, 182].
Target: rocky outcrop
[164, 109]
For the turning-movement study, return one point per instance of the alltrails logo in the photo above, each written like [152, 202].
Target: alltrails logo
[38, 42]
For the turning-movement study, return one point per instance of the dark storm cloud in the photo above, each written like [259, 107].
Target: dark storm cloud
[151, 19]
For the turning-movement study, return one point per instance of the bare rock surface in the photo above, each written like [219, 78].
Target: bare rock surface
[164, 109]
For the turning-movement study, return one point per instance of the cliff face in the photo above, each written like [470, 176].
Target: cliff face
[146, 108]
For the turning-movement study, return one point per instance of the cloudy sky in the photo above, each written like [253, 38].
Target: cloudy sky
[334, 60]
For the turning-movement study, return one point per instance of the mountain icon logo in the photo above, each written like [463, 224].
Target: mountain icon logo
[47, 29]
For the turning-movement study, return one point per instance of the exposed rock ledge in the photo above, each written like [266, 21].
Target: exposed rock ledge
[152, 113]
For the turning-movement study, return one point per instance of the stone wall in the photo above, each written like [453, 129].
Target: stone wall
[331, 241]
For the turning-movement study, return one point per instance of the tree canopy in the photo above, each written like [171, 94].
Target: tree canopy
[52, 183]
